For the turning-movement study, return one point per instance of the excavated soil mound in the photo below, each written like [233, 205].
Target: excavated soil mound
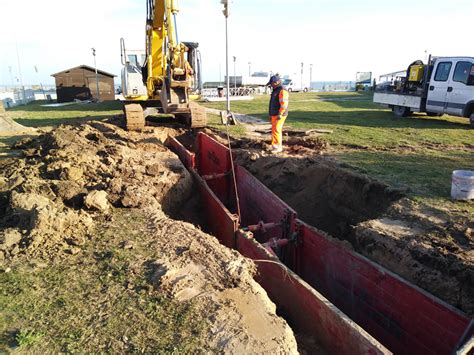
[323, 194]
[425, 246]
[8, 126]
[197, 266]
[293, 144]
[62, 204]
[67, 175]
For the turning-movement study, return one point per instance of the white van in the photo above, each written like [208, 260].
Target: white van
[293, 86]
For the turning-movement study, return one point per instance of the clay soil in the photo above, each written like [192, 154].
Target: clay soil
[430, 248]
[94, 257]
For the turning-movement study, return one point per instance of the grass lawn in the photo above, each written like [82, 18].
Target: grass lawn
[36, 115]
[98, 301]
[418, 153]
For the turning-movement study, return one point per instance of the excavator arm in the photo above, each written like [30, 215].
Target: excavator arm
[167, 74]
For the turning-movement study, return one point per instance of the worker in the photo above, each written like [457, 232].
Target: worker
[278, 111]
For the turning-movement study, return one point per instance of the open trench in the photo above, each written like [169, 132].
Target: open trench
[361, 213]
[96, 195]
[335, 211]
[369, 216]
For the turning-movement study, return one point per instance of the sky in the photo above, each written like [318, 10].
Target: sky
[338, 37]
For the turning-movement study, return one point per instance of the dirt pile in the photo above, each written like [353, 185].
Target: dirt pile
[68, 176]
[199, 267]
[8, 126]
[62, 208]
[427, 247]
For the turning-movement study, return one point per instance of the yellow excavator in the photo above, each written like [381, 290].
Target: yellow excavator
[161, 79]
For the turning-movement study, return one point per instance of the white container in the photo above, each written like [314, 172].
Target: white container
[462, 187]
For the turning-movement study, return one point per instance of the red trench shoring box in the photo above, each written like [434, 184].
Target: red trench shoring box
[349, 303]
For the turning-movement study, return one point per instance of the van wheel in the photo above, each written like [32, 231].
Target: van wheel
[471, 119]
[290, 90]
[305, 90]
[401, 111]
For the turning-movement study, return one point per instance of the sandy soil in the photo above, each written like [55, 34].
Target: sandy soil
[428, 247]
[70, 183]
[8, 126]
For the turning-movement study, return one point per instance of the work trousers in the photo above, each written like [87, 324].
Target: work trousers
[277, 131]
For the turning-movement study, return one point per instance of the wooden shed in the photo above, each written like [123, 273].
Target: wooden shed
[80, 83]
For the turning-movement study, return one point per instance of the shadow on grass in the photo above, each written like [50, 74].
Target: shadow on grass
[368, 118]
[375, 119]
[361, 112]
[9, 341]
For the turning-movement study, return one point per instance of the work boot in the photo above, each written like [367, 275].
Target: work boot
[276, 149]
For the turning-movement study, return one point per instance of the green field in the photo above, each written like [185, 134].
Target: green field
[36, 115]
[415, 153]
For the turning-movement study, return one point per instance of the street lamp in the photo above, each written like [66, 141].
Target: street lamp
[96, 75]
[21, 75]
[226, 12]
[41, 85]
[235, 75]
[11, 76]
[302, 64]
[229, 118]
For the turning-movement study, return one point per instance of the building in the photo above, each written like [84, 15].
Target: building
[16, 96]
[80, 83]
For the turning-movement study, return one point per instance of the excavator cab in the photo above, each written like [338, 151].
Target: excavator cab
[133, 85]
[169, 76]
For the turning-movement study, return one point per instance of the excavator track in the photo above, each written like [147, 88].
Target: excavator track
[134, 117]
[198, 117]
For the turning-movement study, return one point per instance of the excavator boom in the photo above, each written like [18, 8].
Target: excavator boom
[169, 73]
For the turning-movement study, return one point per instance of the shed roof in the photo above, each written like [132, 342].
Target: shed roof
[88, 68]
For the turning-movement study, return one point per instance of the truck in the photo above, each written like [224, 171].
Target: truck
[444, 85]
[257, 79]
[244, 85]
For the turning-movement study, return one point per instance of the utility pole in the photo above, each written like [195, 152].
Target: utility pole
[229, 118]
[249, 68]
[11, 76]
[235, 75]
[226, 15]
[301, 82]
[21, 76]
[96, 76]
[41, 85]
[310, 76]
[220, 73]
